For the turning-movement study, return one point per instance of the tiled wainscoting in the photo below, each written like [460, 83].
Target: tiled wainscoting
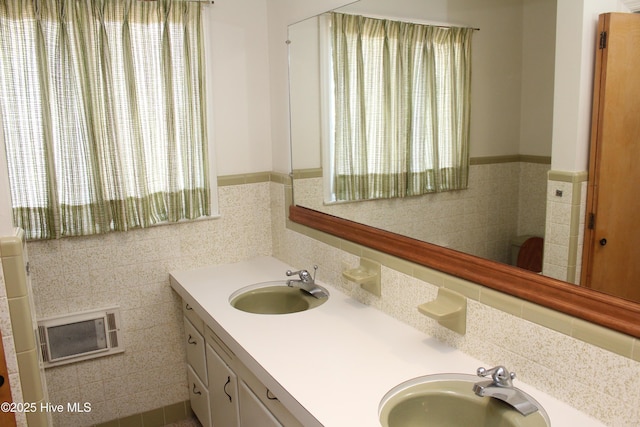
[506, 198]
[131, 270]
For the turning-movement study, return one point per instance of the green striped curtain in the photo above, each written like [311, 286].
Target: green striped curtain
[103, 114]
[402, 101]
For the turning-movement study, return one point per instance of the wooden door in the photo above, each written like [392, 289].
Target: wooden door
[7, 418]
[611, 257]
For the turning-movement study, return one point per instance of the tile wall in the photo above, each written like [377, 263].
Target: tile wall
[9, 348]
[17, 285]
[131, 270]
[504, 200]
[566, 204]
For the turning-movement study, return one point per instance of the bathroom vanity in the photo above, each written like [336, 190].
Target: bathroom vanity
[218, 379]
[327, 366]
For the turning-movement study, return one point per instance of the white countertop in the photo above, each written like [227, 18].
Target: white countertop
[331, 365]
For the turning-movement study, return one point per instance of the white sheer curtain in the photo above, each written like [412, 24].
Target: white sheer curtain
[103, 113]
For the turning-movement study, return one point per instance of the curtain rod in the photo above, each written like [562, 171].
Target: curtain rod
[190, 1]
[452, 26]
[447, 26]
[411, 21]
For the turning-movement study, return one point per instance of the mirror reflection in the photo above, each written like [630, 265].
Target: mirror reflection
[511, 101]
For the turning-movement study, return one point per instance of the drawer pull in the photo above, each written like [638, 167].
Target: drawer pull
[188, 307]
[225, 388]
[271, 396]
[190, 340]
[196, 391]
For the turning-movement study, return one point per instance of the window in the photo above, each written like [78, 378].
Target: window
[400, 96]
[103, 113]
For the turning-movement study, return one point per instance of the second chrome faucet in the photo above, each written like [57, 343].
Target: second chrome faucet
[501, 387]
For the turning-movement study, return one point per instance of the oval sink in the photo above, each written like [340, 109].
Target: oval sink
[448, 400]
[274, 298]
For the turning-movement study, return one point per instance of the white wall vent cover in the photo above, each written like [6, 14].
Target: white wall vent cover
[80, 336]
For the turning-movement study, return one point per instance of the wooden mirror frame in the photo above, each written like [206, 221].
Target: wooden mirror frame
[596, 307]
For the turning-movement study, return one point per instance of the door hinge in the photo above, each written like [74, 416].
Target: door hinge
[603, 40]
[592, 220]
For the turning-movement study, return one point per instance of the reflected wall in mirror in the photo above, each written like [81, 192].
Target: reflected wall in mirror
[510, 131]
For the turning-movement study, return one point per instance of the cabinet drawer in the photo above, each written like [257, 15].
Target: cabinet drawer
[199, 397]
[196, 355]
[268, 399]
[193, 317]
[253, 412]
[212, 339]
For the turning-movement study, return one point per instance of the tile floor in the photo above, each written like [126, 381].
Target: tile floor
[191, 422]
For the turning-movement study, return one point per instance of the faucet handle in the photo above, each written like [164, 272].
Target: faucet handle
[500, 375]
[293, 273]
[304, 274]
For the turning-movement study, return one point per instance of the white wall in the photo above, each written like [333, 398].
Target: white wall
[305, 93]
[6, 219]
[496, 74]
[280, 14]
[575, 53]
[539, 38]
[240, 80]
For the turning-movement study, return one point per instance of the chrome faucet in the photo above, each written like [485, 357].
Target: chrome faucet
[501, 387]
[307, 283]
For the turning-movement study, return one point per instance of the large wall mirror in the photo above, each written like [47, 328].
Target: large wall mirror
[474, 233]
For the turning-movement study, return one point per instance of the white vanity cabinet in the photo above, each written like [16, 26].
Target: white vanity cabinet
[196, 365]
[199, 397]
[222, 390]
[196, 356]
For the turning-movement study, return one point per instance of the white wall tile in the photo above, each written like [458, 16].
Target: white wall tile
[132, 270]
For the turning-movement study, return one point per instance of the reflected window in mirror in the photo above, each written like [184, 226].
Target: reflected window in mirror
[399, 101]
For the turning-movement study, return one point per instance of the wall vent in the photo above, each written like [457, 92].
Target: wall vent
[80, 336]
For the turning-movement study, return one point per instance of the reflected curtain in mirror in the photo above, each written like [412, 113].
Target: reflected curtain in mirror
[402, 103]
